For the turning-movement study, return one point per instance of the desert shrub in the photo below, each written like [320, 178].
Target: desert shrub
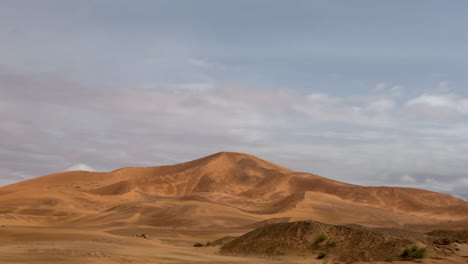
[414, 252]
[321, 238]
[321, 255]
[198, 245]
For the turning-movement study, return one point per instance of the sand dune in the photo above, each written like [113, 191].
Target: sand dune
[216, 185]
[220, 194]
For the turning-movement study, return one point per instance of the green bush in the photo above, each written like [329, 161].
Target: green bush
[321, 238]
[414, 252]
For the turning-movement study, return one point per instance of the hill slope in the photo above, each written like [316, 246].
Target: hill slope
[220, 190]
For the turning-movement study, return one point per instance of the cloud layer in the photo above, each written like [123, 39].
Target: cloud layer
[380, 137]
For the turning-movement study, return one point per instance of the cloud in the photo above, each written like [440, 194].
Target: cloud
[433, 101]
[397, 91]
[328, 109]
[437, 106]
[407, 179]
[380, 87]
[461, 188]
[80, 167]
[381, 106]
[444, 87]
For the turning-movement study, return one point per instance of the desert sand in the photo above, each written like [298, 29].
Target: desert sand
[100, 217]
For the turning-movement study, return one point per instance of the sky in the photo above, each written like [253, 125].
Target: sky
[366, 92]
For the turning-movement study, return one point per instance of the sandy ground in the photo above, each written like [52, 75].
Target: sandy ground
[73, 245]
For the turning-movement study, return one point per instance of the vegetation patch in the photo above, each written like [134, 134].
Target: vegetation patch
[321, 238]
[414, 252]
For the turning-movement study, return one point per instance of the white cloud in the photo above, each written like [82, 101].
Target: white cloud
[328, 109]
[433, 100]
[407, 179]
[80, 167]
[321, 99]
[437, 105]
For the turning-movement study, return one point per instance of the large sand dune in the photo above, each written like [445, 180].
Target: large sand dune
[204, 199]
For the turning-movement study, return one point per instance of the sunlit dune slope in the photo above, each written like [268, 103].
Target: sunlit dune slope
[221, 190]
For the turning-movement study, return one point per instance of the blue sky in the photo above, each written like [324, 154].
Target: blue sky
[361, 91]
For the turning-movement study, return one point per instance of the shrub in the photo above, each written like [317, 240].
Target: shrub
[414, 252]
[321, 255]
[198, 245]
[321, 238]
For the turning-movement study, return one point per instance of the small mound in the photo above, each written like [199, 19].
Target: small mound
[344, 243]
[274, 239]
